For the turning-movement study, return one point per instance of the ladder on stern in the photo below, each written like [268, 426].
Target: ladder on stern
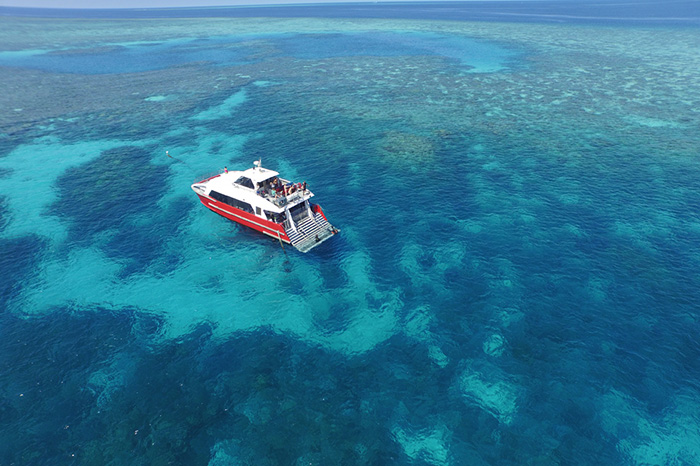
[310, 232]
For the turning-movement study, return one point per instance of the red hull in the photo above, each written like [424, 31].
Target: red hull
[318, 210]
[246, 219]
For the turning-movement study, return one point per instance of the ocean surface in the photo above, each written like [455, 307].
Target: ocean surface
[516, 281]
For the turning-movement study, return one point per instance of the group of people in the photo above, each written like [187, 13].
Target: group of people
[282, 190]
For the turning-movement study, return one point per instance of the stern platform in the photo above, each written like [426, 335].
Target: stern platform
[310, 232]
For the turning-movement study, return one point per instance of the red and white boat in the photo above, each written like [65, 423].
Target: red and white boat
[258, 198]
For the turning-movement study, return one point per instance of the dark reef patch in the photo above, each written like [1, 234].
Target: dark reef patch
[105, 193]
[138, 246]
[45, 366]
[18, 262]
[5, 149]
[257, 398]
[4, 214]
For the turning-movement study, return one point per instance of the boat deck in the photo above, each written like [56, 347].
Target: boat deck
[311, 231]
[281, 200]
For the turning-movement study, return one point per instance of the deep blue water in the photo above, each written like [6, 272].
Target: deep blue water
[647, 12]
[516, 277]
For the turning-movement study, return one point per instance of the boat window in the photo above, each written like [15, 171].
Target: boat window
[231, 201]
[258, 211]
[242, 205]
[273, 216]
[245, 181]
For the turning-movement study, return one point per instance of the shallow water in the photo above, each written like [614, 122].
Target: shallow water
[515, 281]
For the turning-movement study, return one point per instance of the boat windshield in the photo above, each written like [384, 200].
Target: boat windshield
[245, 181]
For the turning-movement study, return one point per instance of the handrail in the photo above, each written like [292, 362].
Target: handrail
[207, 176]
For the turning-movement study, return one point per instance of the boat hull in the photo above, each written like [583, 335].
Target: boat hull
[245, 218]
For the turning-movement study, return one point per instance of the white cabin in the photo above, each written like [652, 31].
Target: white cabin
[261, 192]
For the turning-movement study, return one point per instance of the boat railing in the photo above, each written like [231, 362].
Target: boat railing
[207, 176]
[281, 200]
[294, 197]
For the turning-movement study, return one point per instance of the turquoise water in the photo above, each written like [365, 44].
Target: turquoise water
[515, 282]
[237, 50]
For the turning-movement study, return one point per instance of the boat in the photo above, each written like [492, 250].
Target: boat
[260, 199]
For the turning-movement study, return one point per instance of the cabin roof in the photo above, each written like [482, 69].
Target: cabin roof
[258, 174]
[225, 180]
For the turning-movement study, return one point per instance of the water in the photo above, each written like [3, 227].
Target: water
[247, 49]
[515, 281]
